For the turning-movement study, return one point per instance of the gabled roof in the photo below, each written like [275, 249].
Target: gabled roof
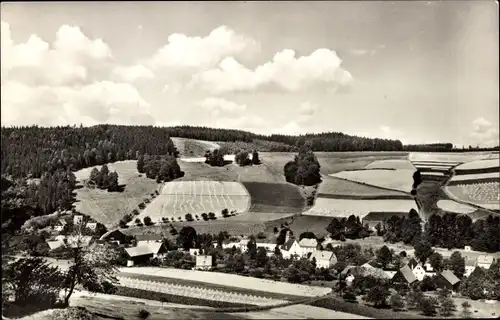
[450, 277]
[74, 241]
[347, 269]
[62, 222]
[288, 245]
[470, 263]
[412, 263]
[91, 224]
[322, 255]
[144, 249]
[308, 243]
[407, 274]
[485, 259]
[55, 244]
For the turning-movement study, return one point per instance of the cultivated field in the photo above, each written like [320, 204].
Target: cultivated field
[109, 207]
[332, 187]
[298, 311]
[479, 164]
[346, 207]
[399, 180]
[479, 177]
[391, 164]
[452, 206]
[232, 280]
[193, 148]
[274, 197]
[486, 195]
[446, 157]
[178, 198]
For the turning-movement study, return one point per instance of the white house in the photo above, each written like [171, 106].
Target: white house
[91, 225]
[419, 270]
[77, 219]
[324, 259]
[145, 251]
[290, 248]
[61, 223]
[194, 252]
[308, 245]
[203, 262]
[484, 261]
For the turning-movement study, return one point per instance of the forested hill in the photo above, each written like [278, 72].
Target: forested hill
[31, 151]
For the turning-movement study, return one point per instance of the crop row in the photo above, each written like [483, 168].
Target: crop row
[198, 292]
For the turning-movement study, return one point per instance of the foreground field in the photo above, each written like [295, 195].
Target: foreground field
[225, 279]
[398, 180]
[109, 207]
[299, 311]
[343, 208]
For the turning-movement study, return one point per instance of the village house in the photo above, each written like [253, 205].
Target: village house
[291, 247]
[203, 262]
[77, 219]
[60, 224]
[91, 226]
[447, 279]
[404, 275]
[114, 236]
[307, 246]
[78, 241]
[485, 261]
[194, 252]
[348, 274]
[145, 252]
[368, 269]
[419, 270]
[324, 259]
[54, 244]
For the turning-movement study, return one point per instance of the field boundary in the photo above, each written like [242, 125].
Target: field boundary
[374, 186]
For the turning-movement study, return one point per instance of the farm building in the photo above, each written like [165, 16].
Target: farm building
[404, 275]
[54, 244]
[203, 262]
[60, 224]
[145, 252]
[324, 259]
[375, 217]
[115, 236]
[447, 279]
[308, 245]
[290, 248]
[485, 261]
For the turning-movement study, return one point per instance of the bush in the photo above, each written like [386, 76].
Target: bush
[147, 221]
[180, 218]
[135, 212]
[204, 216]
[143, 314]
[147, 201]
[212, 216]
[225, 213]
[137, 221]
[141, 205]
[127, 218]
[157, 192]
[261, 235]
[122, 224]
[189, 217]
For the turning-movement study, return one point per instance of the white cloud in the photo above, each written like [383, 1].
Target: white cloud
[218, 106]
[133, 73]
[196, 52]
[285, 71]
[391, 133]
[484, 133]
[61, 83]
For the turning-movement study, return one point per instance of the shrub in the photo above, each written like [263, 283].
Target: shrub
[147, 221]
[157, 192]
[135, 212]
[141, 205]
[225, 213]
[122, 224]
[180, 218]
[204, 216]
[143, 314]
[127, 218]
[189, 217]
[212, 216]
[261, 235]
[147, 201]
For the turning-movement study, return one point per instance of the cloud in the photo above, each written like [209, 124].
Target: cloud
[484, 133]
[306, 113]
[362, 52]
[285, 71]
[390, 133]
[183, 51]
[218, 106]
[62, 83]
[133, 73]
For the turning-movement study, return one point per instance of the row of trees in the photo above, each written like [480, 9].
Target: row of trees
[450, 230]
[160, 168]
[242, 158]
[215, 158]
[304, 169]
[347, 228]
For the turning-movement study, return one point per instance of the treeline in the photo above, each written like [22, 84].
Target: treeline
[160, 168]
[448, 231]
[31, 151]
[444, 147]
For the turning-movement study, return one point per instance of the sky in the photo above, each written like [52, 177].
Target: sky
[417, 71]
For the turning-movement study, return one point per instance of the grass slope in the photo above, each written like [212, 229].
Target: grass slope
[193, 148]
[275, 197]
[335, 187]
[109, 207]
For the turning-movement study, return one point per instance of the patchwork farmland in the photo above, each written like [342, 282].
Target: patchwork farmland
[398, 180]
[275, 197]
[178, 198]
